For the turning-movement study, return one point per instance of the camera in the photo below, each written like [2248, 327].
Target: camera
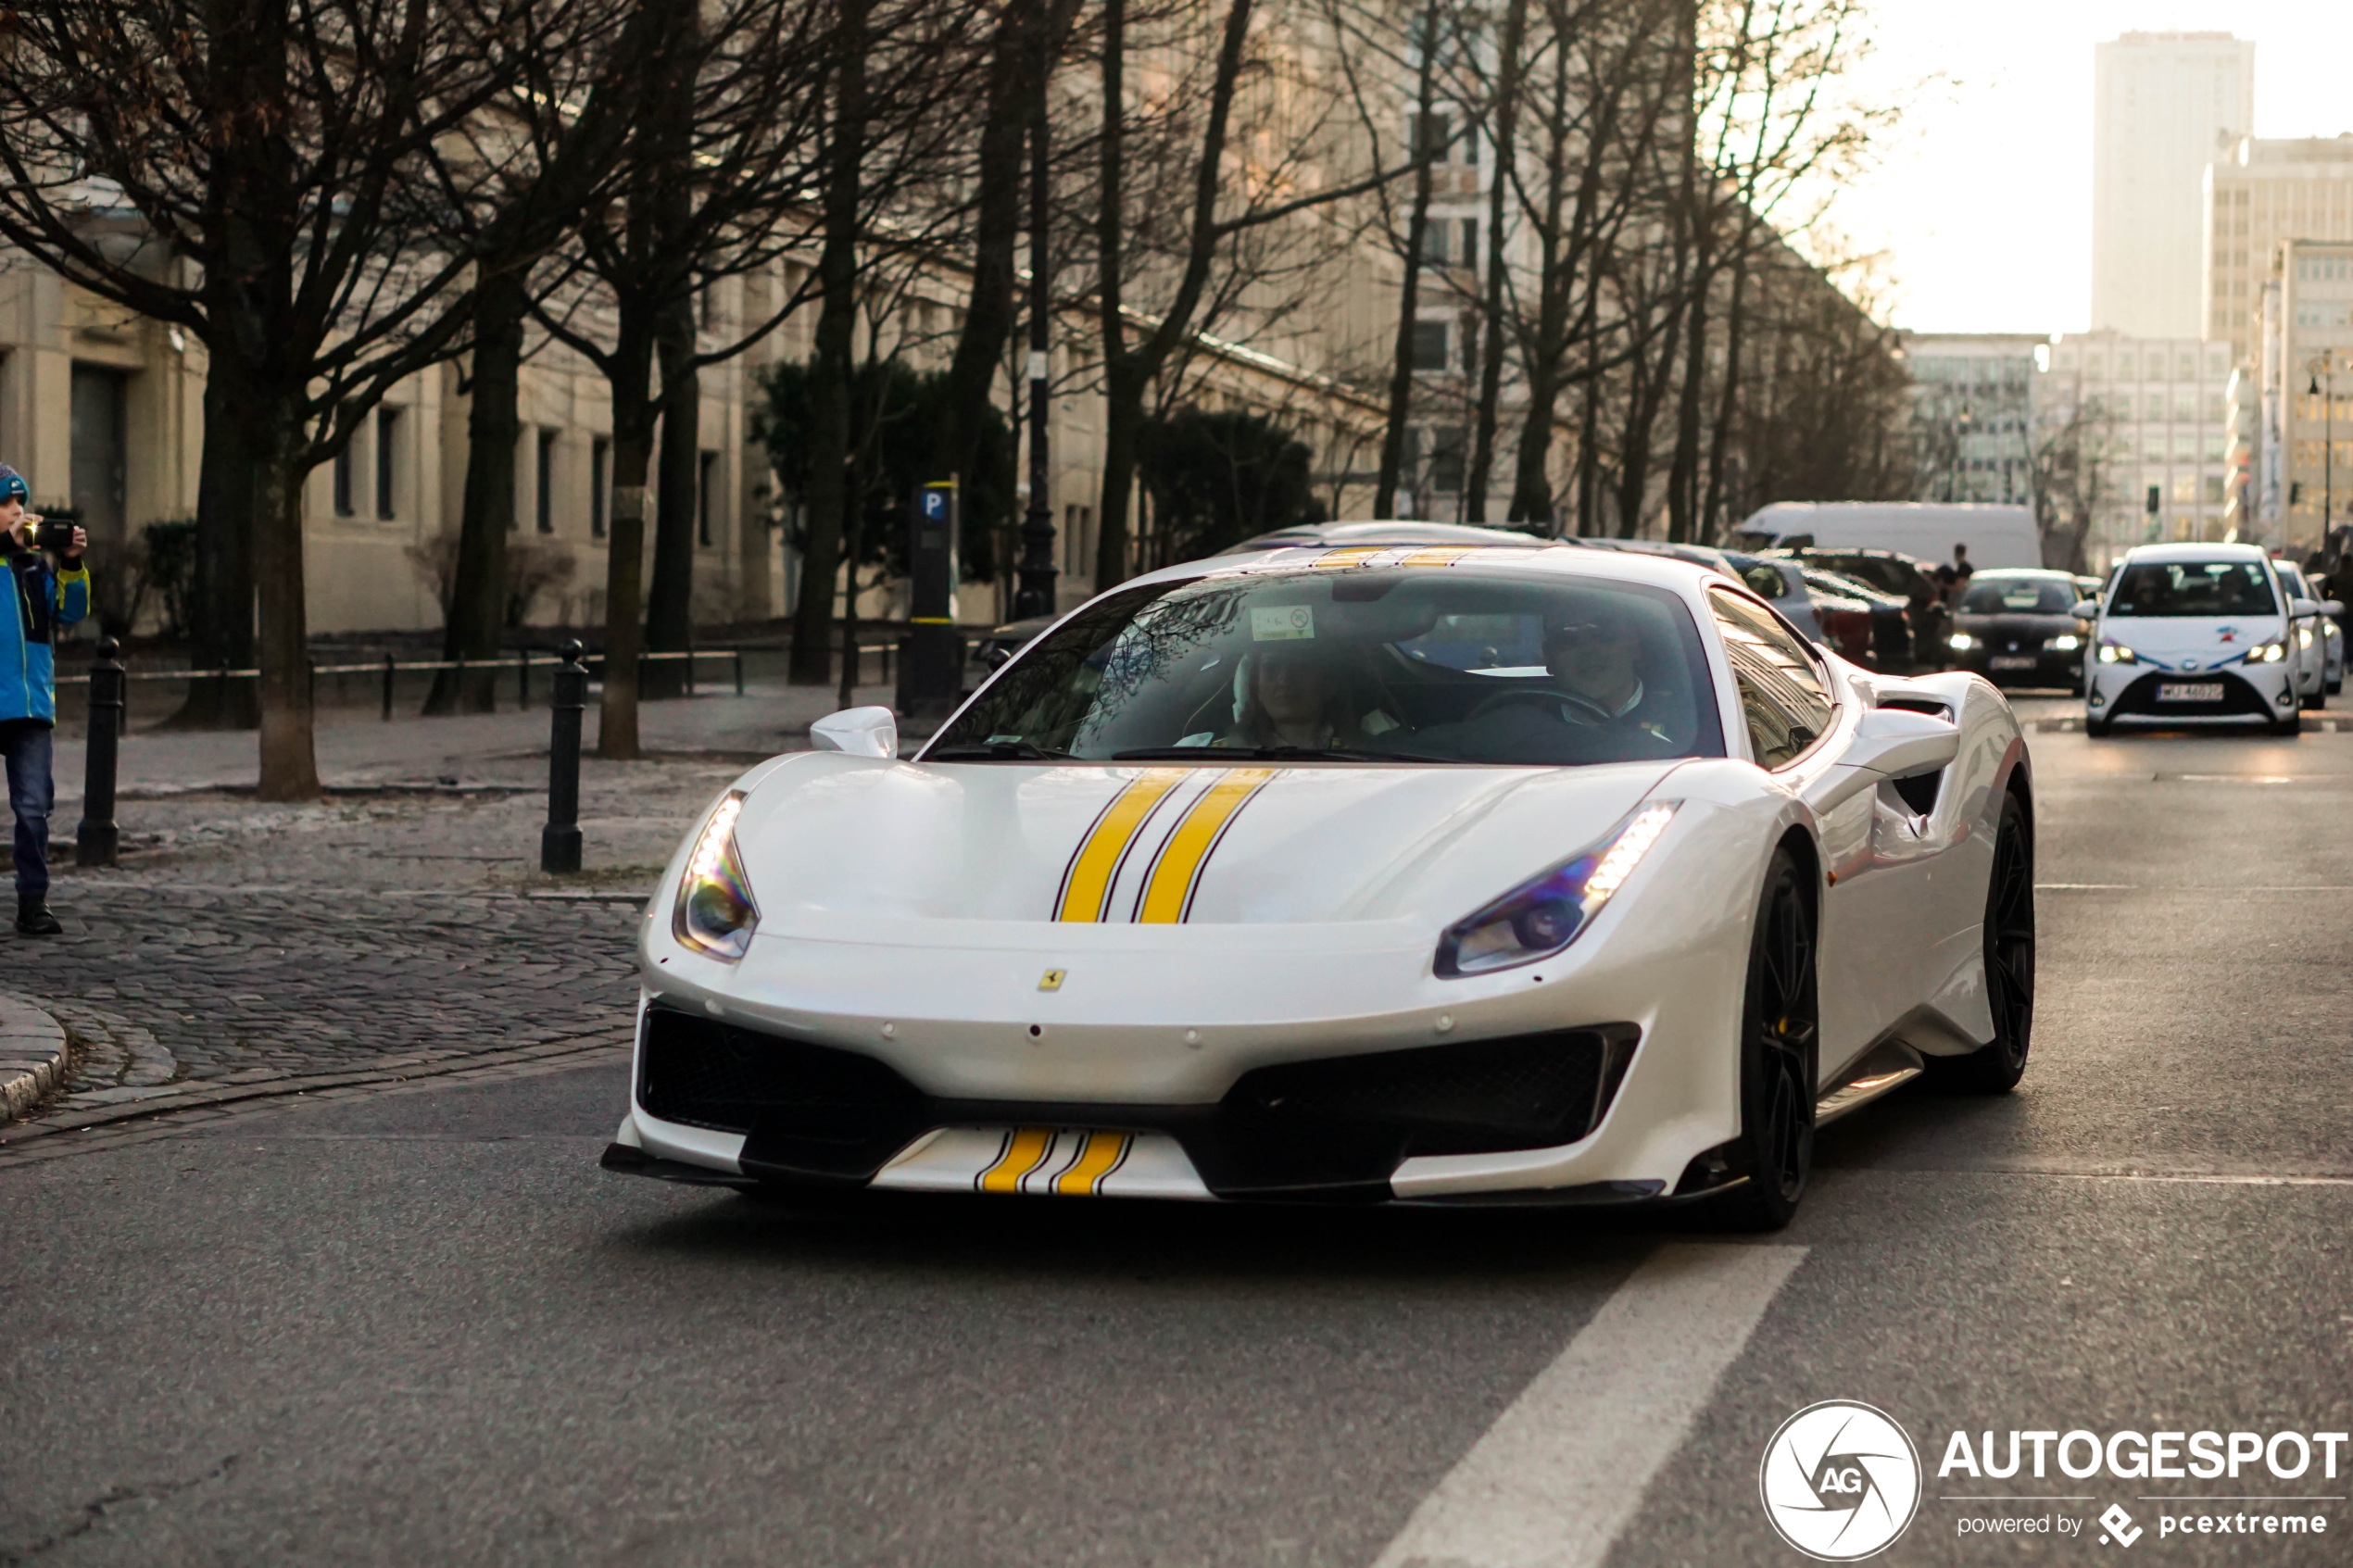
[51, 534]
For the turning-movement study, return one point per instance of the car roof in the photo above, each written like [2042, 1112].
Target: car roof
[1401, 531]
[2191, 551]
[1536, 556]
[2050, 572]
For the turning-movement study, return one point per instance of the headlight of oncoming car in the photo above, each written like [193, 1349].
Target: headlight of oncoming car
[715, 911]
[2117, 653]
[1541, 916]
[1963, 641]
[2066, 642]
[2268, 653]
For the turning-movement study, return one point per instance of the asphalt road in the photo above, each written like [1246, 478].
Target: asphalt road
[423, 1328]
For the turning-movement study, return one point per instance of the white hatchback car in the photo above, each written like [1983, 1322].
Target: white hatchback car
[2193, 634]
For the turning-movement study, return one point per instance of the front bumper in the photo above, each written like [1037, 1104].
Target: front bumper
[1329, 1129]
[2131, 695]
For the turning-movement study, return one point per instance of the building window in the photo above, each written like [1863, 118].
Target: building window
[1430, 343]
[1469, 234]
[706, 502]
[544, 481]
[599, 472]
[1446, 459]
[1075, 524]
[342, 481]
[388, 455]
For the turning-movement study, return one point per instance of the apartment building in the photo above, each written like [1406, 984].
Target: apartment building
[2162, 104]
[2149, 416]
[1973, 413]
[2303, 454]
[2258, 195]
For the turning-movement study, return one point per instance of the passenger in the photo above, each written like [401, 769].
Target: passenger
[1288, 694]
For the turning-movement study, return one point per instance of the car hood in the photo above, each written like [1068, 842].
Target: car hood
[2017, 625]
[834, 841]
[2223, 637]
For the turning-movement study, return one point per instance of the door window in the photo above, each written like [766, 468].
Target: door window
[1782, 698]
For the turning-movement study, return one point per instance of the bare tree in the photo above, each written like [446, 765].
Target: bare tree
[253, 171]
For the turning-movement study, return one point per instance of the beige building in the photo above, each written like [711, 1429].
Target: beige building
[2162, 103]
[2303, 457]
[2151, 415]
[2258, 195]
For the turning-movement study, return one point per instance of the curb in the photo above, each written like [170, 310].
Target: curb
[32, 1056]
[274, 1083]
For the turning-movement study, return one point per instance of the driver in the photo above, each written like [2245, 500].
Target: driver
[1597, 707]
[1598, 664]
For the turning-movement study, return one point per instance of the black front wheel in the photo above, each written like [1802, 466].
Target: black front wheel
[1780, 1019]
[1996, 1067]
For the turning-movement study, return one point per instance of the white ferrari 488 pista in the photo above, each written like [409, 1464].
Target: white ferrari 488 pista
[1411, 874]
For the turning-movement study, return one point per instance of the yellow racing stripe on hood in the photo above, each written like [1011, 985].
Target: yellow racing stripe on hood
[1087, 881]
[1167, 895]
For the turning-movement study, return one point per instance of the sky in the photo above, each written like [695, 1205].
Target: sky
[1981, 200]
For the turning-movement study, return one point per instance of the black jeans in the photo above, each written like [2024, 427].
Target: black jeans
[24, 745]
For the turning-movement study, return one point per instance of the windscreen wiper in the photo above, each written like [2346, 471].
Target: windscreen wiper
[997, 751]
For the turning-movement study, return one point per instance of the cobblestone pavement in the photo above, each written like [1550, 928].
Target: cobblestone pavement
[403, 929]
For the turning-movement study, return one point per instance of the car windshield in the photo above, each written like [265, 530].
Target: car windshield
[2017, 595]
[2187, 588]
[1443, 664]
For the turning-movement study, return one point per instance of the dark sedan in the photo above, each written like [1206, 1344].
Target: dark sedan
[2016, 627]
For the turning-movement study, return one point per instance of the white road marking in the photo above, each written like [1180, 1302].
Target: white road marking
[1563, 1470]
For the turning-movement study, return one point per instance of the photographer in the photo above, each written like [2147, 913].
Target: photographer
[45, 598]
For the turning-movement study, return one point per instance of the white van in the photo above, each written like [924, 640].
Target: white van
[1996, 536]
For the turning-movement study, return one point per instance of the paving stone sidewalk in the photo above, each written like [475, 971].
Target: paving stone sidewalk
[405, 927]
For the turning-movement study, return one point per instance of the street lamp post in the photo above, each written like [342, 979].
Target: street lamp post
[1035, 594]
[2323, 386]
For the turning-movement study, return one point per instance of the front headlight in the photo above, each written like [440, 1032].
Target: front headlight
[2066, 642]
[1963, 642]
[2117, 653]
[715, 911]
[2304, 637]
[1541, 917]
[2268, 653]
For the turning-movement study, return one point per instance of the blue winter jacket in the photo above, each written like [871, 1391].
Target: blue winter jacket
[45, 600]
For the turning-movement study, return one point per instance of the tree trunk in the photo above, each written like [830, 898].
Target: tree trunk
[478, 598]
[1123, 422]
[1409, 289]
[678, 501]
[220, 608]
[837, 324]
[1683, 473]
[1491, 370]
[988, 311]
[289, 766]
[1727, 395]
[630, 377]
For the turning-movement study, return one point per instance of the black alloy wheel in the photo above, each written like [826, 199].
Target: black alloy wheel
[1780, 1021]
[1996, 1067]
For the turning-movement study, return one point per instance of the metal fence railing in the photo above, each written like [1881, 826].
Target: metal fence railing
[389, 668]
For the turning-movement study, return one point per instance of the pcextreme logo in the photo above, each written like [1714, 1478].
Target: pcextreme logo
[1841, 1481]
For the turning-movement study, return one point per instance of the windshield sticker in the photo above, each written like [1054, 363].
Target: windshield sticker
[1282, 624]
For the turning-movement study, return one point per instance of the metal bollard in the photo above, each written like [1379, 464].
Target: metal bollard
[522, 679]
[96, 840]
[690, 671]
[387, 688]
[560, 840]
[739, 671]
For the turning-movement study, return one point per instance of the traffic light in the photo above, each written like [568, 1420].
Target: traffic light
[2150, 504]
[2296, 493]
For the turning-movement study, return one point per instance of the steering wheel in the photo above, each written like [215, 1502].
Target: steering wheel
[1505, 700]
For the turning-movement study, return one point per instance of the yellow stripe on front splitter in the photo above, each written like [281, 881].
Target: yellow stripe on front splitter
[1099, 1159]
[1026, 1149]
[1087, 890]
[1169, 885]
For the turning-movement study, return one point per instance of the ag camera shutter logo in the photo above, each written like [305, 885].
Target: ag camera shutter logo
[1841, 1481]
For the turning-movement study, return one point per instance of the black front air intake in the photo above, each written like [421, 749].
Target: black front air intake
[1334, 1128]
[2239, 700]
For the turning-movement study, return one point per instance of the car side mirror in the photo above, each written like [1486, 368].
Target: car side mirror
[1901, 744]
[2304, 606]
[2332, 607]
[2086, 609]
[858, 732]
[994, 656]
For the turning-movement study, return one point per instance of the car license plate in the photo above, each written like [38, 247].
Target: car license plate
[2189, 691]
[2013, 662]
